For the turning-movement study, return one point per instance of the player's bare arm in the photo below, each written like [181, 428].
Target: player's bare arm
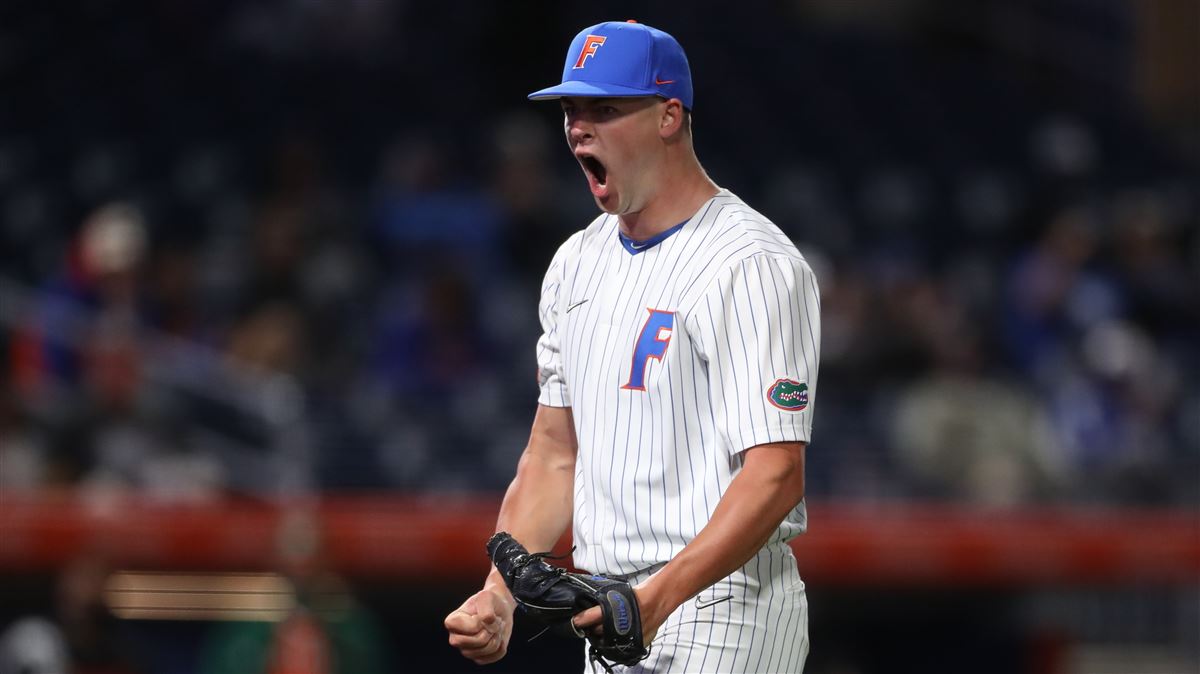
[536, 510]
[537, 506]
[769, 486]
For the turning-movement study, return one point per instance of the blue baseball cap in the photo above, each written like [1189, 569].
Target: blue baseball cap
[623, 58]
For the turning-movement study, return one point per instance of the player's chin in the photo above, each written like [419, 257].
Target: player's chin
[608, 202]
[603, 205]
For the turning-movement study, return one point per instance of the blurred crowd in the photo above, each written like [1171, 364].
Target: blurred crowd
[272, 248]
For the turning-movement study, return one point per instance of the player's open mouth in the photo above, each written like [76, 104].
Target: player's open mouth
[596, 173]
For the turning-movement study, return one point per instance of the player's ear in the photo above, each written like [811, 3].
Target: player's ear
[670, 121]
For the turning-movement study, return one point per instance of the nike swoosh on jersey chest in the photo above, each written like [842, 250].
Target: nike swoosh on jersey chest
[619, 319]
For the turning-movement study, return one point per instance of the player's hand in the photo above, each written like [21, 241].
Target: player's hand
[591, 621]
[481, 627]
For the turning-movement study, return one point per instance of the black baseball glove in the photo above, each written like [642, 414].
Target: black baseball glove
[552, 595]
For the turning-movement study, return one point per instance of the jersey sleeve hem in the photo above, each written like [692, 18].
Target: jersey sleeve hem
[557, 397]
[762, 435]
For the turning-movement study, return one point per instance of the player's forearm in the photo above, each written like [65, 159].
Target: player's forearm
[769, 486]
[537, 506]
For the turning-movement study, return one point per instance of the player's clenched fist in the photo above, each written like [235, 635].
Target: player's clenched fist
[481, 627]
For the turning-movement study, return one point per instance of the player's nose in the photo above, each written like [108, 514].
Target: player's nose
[578, 130]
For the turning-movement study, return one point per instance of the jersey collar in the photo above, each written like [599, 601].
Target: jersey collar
[635, 247]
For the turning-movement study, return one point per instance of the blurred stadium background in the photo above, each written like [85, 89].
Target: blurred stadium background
[268, 273]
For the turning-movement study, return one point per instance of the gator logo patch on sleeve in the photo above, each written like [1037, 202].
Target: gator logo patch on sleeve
[788, 395]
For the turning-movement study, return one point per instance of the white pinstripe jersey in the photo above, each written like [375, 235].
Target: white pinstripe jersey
[675, 355]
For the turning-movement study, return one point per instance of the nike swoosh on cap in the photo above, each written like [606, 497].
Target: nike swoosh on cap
[658, 81]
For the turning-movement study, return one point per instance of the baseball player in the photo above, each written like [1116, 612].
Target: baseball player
[677, 372]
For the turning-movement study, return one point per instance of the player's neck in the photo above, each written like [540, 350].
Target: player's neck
[677, 199]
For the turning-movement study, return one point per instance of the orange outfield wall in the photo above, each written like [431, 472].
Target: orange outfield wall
[441, 537]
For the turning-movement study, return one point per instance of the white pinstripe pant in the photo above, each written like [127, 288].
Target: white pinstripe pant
[762, 626]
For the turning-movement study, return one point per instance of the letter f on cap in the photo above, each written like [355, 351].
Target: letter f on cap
[590, 45]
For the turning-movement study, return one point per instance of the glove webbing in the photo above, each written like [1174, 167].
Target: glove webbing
[593, 654]
[608, 668]
[595, 657]
[525, 560]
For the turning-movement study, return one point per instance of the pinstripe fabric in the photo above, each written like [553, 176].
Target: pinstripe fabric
[654, 459]
[763, 627]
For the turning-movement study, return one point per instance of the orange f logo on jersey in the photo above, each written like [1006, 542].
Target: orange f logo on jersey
[590, 44]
